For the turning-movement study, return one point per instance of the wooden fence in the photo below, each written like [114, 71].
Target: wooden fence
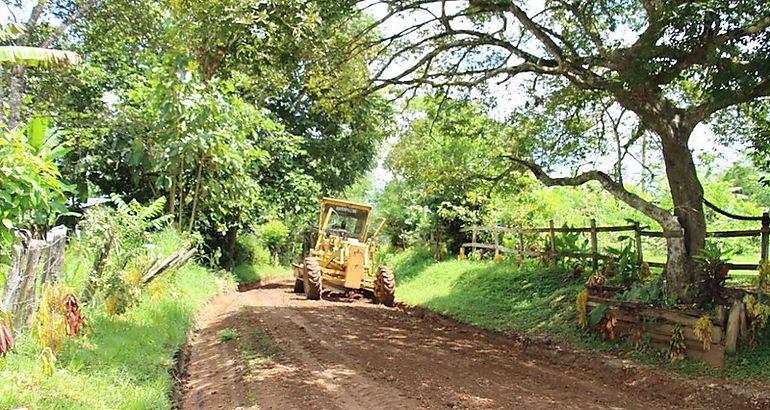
[35, 263]
[521, 249]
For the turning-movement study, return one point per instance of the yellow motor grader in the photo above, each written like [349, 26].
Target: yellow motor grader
[343, 255]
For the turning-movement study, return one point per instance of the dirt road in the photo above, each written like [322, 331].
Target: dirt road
[268, 348]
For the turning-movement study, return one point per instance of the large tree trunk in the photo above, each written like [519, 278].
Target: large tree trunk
[686, 192]
[678, 271]
[687, 195]
[674, 127]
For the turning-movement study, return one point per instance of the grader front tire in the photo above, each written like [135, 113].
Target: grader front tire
[386, 286]
[312, 278]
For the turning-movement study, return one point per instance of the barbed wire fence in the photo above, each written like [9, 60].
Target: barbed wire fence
[35, 263]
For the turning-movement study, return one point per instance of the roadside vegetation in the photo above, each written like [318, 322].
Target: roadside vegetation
[265, 252]
[190, 141]
[121, 359]
[527, 298]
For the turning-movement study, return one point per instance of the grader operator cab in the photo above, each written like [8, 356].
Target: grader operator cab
[343, 255]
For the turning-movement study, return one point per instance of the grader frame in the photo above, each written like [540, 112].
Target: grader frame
[343, 257]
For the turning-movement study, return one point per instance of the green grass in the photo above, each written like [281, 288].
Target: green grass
[247, 273]
[498, 296]
[533, 300]
[228, 334]
[124, 361]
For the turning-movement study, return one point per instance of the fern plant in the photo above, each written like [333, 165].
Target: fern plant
[120, 238]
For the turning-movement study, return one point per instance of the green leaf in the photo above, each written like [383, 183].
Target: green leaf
[35, 56]
[597, 314]
[137, 152]
[36, 132]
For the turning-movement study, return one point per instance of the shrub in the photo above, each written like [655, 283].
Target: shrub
[249, 250]
[274, 235]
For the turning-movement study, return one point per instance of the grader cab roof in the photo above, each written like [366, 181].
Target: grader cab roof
[352, 217]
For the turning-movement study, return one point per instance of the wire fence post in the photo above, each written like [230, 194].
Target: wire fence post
[496, 233]
[638, 236]
[553, 241]
[594, 246]
[765, 234]
[56, 239]
[521, 243]
[473, 237]
[27, 296]
[35, 264]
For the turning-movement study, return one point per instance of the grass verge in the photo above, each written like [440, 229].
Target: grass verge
[533, 300]
[247, 273]
[123, 363]
[498, 296]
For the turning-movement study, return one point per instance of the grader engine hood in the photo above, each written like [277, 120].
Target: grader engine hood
[356, 265]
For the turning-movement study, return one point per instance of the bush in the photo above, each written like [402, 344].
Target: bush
[249, 250]
[274, 235]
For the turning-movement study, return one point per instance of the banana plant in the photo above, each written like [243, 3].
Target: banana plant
[31, 56]
[31, 190]
[36, 56]
[19, 57]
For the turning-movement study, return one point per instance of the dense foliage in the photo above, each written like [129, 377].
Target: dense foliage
[231, 110]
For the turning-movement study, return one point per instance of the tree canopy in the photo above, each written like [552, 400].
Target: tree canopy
[672, 64]
[229, 109]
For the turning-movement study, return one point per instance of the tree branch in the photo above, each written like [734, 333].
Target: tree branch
[37, 11]
[78, 13]
[726, 99]
[660, 215]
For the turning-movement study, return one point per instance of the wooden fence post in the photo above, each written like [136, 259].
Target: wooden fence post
[594, 246]
[13, 281]
[638, 237]
[56, 239]
[521, 242]
[27, 302]
[553, 241]
[765, 234]
[496, 233]
[473, 238]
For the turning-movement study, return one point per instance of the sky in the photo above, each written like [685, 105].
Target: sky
[11, 14]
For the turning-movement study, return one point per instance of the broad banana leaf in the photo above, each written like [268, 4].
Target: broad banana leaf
[35, 56]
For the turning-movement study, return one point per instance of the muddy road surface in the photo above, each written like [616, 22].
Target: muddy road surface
[268, 348]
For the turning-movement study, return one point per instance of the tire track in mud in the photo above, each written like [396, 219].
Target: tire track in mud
[352, 354]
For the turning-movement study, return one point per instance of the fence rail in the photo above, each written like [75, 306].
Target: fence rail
[763, 233]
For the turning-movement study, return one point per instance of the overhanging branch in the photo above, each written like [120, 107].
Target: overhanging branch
[667, 221]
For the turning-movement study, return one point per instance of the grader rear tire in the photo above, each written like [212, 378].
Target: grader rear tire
[386, 286]
[299, 285]
[312, 278]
